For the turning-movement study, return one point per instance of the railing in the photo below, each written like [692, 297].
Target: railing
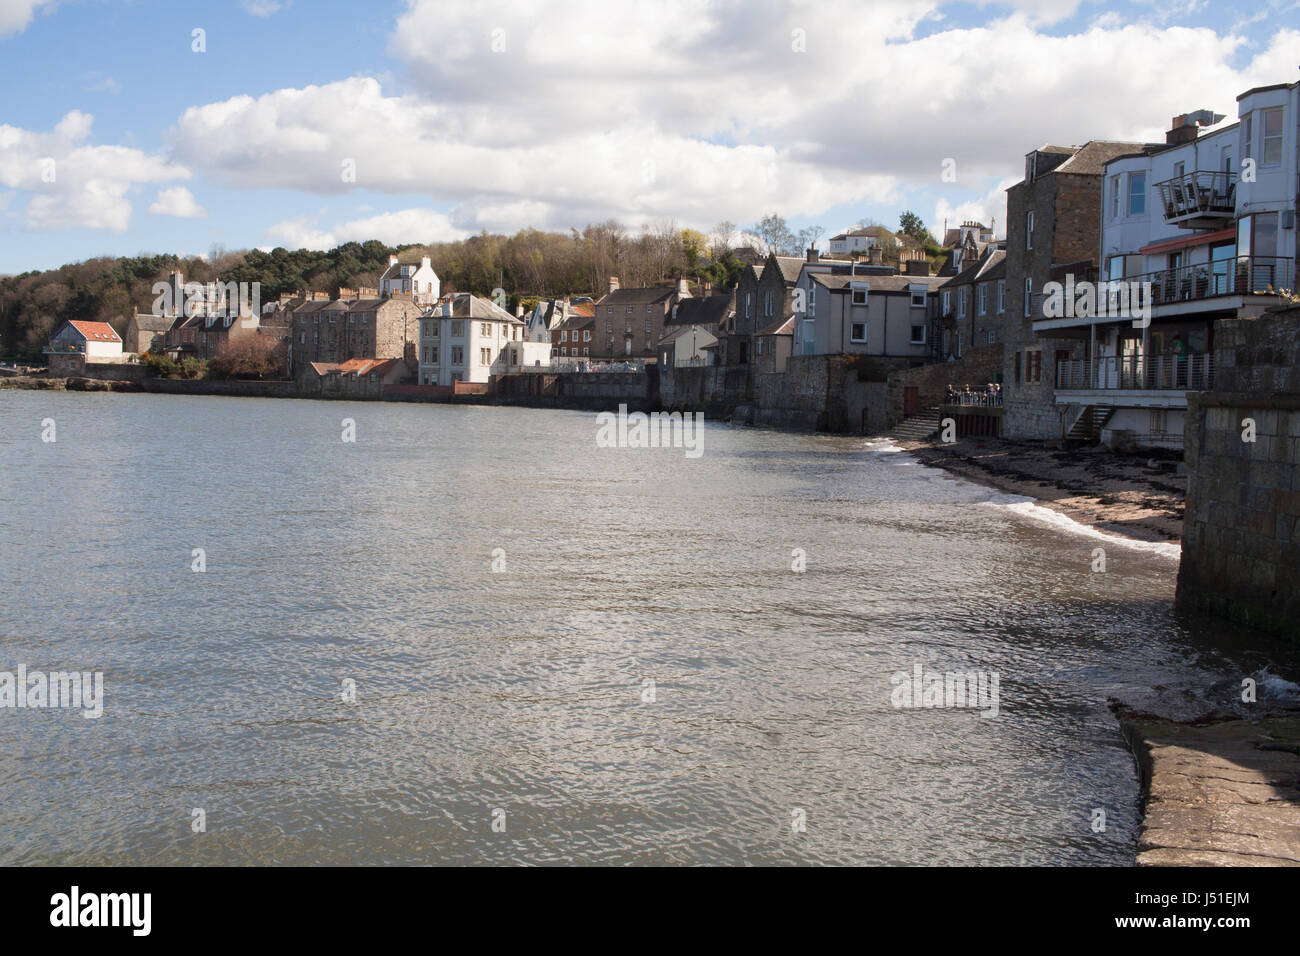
[1239, 275]
[64, 350]
[1199, 194]
[978, 398]
[1193, 371]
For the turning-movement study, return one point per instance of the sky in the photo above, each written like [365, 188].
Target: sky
[152, 126]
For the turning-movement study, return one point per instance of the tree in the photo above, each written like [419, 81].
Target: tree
[776, 235]
[913, 227]
[249, 356]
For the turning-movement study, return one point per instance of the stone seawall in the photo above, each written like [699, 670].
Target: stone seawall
[1241, 534]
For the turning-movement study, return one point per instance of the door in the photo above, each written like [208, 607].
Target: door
[911, 400]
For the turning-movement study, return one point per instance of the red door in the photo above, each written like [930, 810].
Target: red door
[911, 399]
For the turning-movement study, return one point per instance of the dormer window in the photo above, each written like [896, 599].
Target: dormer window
[859, 291]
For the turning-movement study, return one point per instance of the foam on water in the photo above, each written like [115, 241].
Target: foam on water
[1029, 508]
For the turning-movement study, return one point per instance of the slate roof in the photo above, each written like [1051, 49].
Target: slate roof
[706, 311]
[878, 283]
[646, 296]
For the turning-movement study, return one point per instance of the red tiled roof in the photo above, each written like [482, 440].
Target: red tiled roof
[96, 331]
[584, 308]
[364, 366]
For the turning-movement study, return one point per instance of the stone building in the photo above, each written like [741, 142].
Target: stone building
[630, 322]
[333, 331]
[1053, 220]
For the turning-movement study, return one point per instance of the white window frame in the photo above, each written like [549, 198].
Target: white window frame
[913, 339]
[856, 339]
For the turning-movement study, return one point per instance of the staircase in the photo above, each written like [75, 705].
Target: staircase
[1088, 426]
[919, 427]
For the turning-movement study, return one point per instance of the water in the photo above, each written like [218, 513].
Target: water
[521, 691]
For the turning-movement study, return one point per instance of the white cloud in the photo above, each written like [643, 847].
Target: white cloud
[73, 185]
[15, 15]
[262, 8]
[178, 201]
[392, 228]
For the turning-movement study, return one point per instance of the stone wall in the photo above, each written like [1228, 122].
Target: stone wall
[1241, 531]
[977, 367]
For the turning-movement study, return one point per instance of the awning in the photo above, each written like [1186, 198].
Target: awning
[1200, 239]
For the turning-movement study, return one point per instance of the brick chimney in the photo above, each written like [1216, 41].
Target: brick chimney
[918, 267]
[813, 254]
[876, 256]
[1180, 131]
[683, 288]
[708, 289]
[613, 284]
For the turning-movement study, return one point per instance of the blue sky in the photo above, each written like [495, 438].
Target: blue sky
[462, 116]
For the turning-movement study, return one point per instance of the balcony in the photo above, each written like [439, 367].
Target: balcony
[1199, 200]
[1243, 275]
[1191, 371]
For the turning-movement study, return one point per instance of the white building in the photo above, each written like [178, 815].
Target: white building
[1205, 223]
[467, 339]
[418, 280]
[855, 240]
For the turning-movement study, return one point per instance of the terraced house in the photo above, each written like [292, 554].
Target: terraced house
[630, 322]
[352, 326]
[464, 338]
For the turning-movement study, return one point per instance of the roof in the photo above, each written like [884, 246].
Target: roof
[148, 322]
[790, 267]
[706, 311]
[465, 305]
[366, 305]
[878, 283]
[95, 331]
[784, 327]
[981, 270]
[366, 366]
[582, 308]
[645, 296]
[1091, 158]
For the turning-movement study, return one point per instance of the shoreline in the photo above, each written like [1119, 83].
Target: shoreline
[1102, 490]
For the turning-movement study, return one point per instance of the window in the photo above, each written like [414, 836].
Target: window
[457, 355]
[1271, 154]
[918, 335]
[1247, 135]
[1114, 197]
[859, 293]
[458, 328]
[1033, 365]
[1029, 229]
[434, 360]
[812, 302]
[629, 310]
[627, 346]
[485, 356]
[767, 304]
[564, 352]
[1159, 421]
[1137, 194]
[946, 303]
[609, 328]
[746, 305]
[918, 298]
[1029, 294]
[649, 309]
[609, 310]
[981, 299]
[585, 352]
[758, 346]
[858, 332]
[586, 335]
[564, 335]
[302, 338]
[961, 302]
[485, 330]
[1002, 296]
[647, 326]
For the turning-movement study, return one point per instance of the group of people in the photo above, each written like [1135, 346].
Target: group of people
[990, 394]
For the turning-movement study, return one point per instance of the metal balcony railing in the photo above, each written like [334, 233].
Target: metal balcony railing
[1199, 195]
[1191, 371]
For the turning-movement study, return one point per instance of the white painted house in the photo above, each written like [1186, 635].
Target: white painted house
[419, 280]
[464, 338]
[1206, 222]
[75, 343]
